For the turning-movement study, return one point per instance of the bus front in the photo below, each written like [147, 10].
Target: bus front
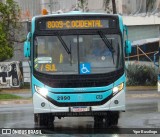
[77, 67]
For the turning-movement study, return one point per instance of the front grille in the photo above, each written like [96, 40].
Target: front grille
[75, 81]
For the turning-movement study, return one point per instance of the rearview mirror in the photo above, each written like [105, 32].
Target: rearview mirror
[27, 49]
[128, 47]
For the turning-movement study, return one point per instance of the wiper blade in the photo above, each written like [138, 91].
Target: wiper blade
[64, 44]
[106, 41]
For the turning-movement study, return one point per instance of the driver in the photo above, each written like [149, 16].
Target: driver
[101, 50]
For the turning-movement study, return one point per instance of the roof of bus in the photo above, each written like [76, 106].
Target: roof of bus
[74, 13]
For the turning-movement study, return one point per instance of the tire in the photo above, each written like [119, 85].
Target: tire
[50, 121]
[44, 120]
[98, 119]
[112, 118]
[35, 118]
[108, 120]
[115, 115]
[39, 120]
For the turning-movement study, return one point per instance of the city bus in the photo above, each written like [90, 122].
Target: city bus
[77, 66]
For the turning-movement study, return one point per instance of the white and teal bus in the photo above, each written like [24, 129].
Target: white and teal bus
[77, 66]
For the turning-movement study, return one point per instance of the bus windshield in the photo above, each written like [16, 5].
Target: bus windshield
[69, 54]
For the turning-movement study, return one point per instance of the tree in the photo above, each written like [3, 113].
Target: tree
[106, 4]
[9, 28]
[150, 5]
[114, 7]
[83, 4]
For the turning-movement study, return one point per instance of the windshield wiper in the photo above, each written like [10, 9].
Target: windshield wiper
[66, 47]
[107, 43]
[64, 44]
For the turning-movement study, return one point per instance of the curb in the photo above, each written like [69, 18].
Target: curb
[141, 88]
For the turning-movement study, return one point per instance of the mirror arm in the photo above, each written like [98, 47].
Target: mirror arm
[28, 36]
[127, 42]
[27, 45]
[126, 30]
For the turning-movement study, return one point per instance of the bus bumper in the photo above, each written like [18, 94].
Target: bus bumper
[42, 105]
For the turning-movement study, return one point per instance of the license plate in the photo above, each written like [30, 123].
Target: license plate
[79, 109]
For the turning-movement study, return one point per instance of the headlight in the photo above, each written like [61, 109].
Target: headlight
[118, 88]
[42, 91]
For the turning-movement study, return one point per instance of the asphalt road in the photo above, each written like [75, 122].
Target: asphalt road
[142, 111]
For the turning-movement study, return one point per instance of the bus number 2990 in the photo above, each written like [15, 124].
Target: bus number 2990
[63, 97]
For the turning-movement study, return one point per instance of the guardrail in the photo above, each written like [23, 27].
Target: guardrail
[142, 54]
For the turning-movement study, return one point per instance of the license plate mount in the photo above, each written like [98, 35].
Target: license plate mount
[79, 109]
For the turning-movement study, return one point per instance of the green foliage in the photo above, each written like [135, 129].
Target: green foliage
[141, 75]
[9, 27]
[9, 96]
[6, 52]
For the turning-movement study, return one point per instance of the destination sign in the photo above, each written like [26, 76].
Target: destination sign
[52, 24]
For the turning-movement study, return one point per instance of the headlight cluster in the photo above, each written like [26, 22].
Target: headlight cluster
[42, 91]
[118, 88]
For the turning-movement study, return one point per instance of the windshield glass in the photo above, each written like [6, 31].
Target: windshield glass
[77, 54]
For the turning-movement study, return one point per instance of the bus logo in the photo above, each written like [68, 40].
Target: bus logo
[6, 132]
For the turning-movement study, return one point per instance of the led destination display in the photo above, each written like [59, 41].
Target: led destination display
[76, 24]
[52, 24]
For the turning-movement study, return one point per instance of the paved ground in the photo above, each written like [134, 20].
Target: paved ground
[142, 111]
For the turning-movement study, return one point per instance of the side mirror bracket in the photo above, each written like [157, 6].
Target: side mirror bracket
[128, 47]
[27, 46]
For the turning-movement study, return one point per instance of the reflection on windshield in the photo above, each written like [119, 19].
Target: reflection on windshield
[85, 51]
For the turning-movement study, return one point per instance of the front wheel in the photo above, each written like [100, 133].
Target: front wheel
[43, 119]
[38, 119]
[112, 118]
[98, 119]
